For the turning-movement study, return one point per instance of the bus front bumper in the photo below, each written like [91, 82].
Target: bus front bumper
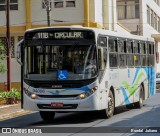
[90, 103]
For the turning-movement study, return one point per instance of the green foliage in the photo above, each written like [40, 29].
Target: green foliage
[2, 57]
[14, 93]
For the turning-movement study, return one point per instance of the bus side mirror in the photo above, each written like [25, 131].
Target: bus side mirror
[18, 55]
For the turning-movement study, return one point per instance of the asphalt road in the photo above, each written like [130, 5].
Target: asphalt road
[93, 122]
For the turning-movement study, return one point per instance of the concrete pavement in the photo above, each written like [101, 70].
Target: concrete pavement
[11, 111]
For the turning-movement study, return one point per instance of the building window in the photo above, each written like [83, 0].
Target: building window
[152, 18]
[64, 3]
[158, 2]
[148, 15]
[159, 25]
[128, 9]
[44, 5]
[156, 21]
[13, 5]
[70, 3]
[137, 9]
[58, 4]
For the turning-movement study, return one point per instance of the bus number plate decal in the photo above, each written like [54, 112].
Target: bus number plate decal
[57, 105]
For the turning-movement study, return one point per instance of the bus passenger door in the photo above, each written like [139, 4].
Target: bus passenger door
[102, 63]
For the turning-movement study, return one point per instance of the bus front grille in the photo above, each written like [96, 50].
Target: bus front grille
[66, 106]
[58, 96]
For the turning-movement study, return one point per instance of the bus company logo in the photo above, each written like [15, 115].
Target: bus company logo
[57, 86]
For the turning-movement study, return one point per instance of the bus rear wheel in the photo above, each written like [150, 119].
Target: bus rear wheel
[110, 110]
[47, 116]
[139, 104]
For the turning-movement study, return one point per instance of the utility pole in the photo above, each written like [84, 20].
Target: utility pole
[8, 46]
[47, 4]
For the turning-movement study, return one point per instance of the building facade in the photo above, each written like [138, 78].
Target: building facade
[28, 14]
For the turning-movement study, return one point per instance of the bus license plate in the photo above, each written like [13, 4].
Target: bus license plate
[57, 105]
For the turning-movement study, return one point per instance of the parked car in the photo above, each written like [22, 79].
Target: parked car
[158, 81]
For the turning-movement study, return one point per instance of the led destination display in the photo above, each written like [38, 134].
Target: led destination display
[58, 35]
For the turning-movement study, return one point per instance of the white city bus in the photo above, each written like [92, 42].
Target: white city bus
[67, 69]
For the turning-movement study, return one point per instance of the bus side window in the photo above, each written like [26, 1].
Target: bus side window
[151, 54]
[147, 54]
[122, 53]
[136, 53]
[130, 56]
[102, 52]
[113, 53]
[143, 54]
[152, 58]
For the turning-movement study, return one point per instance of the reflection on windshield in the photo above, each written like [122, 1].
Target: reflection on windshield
[46, 62]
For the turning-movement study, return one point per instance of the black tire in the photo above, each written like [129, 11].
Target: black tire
[110, 110]
[47, 116]
[139, 104]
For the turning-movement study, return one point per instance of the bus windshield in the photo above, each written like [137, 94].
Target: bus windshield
[73, 62]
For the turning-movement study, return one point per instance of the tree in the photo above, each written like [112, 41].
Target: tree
[2, 57]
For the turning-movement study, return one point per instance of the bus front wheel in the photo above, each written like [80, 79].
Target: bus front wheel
[47, 116]
[110, 110]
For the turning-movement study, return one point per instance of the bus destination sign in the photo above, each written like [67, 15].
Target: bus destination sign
[59, 35]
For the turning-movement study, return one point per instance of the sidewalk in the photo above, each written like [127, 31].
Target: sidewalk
[11, 111]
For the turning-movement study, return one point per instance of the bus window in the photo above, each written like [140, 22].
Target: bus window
[102, 43]
[151, 54]
[122, 53]
[147, 55]
[130, 56]
[113, 56]
[112, 43]
[143, 54]
[137, 54]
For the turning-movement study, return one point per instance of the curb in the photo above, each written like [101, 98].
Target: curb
[7, 106]
[15, 114]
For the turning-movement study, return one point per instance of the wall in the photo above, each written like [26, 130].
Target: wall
[17, 17]
[131, 24]
[98, 12]
[68, 15]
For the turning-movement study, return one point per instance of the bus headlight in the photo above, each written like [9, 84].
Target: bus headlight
[31, 95]
[87, 94]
